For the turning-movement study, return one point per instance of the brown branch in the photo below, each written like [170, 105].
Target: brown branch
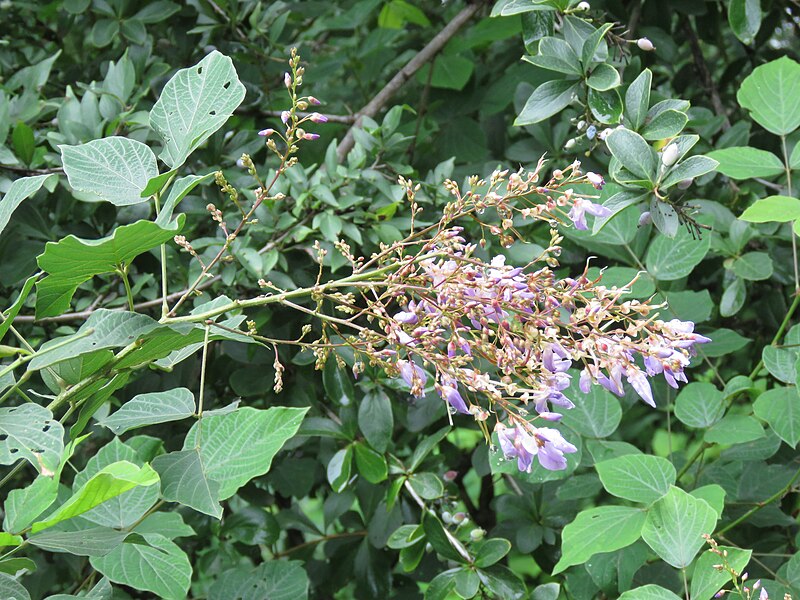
[415, 64]
[27, 172]
[705, 75]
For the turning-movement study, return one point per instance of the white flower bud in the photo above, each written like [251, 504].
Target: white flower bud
[645, 44]
[570, 143]
[670, 155]
[583, 6]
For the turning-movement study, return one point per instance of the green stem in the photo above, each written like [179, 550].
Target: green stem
[692, 459]
[163, 250]
[781, 330]
[203, 374]
[123, 272]
[29, 357]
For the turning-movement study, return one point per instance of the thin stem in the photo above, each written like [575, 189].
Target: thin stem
[454, 541]
[685, 583]
[692, 459]
[776, 496]
[324, 538]
[29, 357]
[203, 373]
[788, 170]
[781, 329]
[163, 250]
[124, 274]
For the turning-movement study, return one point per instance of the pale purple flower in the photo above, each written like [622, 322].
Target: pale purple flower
[517, 443]
[448, 390]
[763, 595]
[596, 180]
[318, 118]
[285, 116]
[311, 136]
[414, 376]
[639, 382]
[552, 448]
[578, 212]
[585, 381]
[550, 416]
[314, 101]
[266, 132]
[287, 80]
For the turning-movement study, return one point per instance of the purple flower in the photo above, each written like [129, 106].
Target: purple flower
[287, 80]
[585, 381]
[266, 132]
[285, 116]
[318, 118]
[763, 595]
[547, 444]
[414, 376]
[448, 390]
[578, 212]
[314, 101]
[310, 136]
[518, 443]
[595, 179]
[553, 446]
[639, 382]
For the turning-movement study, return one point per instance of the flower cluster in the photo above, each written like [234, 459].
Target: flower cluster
[496, 339]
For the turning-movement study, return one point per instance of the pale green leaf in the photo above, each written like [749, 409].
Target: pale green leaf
[780, 209]
[115, 169]
[548, 99]
[151, 408]
[692, 167]
[753, 266]
[604, 77]
[744, 162]
[11, 589]
[29, 431]
[20, 190]
[276, 580]
[96, 541]
[637, 477]
[650, 591]
[734, 429]
[633, 152]
[699, 405]
[668, 259]
[707, 580]
[665, 125]
[780, 407]
[597, 413]
[238, 446]
[184, 479]
[194, 104]
[675, 526]
[177, 192]
[772, 95]
[637, 99]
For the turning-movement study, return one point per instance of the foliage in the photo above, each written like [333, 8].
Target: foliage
[244, 359]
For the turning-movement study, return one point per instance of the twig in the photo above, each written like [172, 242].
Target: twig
[705, 75]
[325, 538]
[415, 64]
[27, 172]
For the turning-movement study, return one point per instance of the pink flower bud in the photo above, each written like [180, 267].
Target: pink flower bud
[311, 136]
[285, 116]
[314, 101]
[287, 80]
[266, 132]
[318, 118]
[645, 44]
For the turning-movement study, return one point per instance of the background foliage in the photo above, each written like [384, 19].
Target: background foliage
[90, 420]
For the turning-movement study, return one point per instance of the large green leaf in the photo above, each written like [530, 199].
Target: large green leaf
[276, 580]
[111, 481]
[11, 589]
[104, 329]
[597, 413]
[115, 169]
[125, 509]
[734, 429]
[668, 259]
[184, 479]
[375, 419]
[25, 504]
[637, 477]
[780, 407]
[772, 95]
[744, 162]
[240, 445]
[548, 99]
[151, 408]
[699, 405]
[650, 591]
[781, 209]
[71, 261]
[95, 541]
[707, 580]
[633, 152]
[675, 525]
[159, 566]
[665, 125]
[744, 17]
[600, 529]
[194, 104]
[20, 190]
[29, 431]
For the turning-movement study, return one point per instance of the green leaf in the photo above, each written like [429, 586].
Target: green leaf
[29, 431]
[104, 329]
[548, 99]
[488, 552]
[781, 209]
[24, 142]
[597, 413]
[435, 534]
[692, 167]
[781, 363]
[466, 583]
[669, 259]
[780, 407]
[450, 72]
[744, 162]
[274, 579]
[395, 14]
[96, 541]
[25, 504]
[109, 482]
[605, 106]
[405, 536]
[637, 477]
[10, 314]
[159, 566]
[194, 104]
[338, 384]
[753, 266]
[240, 445]
[600, 529]
[71, 261]
[21, 189]
[375, 419]
[115, 169]
[103, 32]
[339, 469]
[713, 494]
[371, 465]
[184, 479]
[148, 409]
[503, 583]
[699, 405]
[603, 77]
[665, 125]
[633, 153]
[734, 429]
[591, 45]
[556, 55]
[707, 580]
[771, 93]
[427, 485]
[650, 591]
[177, 192]
[675, 525]
[11, 589]
[637, 99]
[664, 217]
[616, 204]
[744, 17]
[732, 298]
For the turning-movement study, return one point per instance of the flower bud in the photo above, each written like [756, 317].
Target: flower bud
[450, 476]
[285, 116]
[596, 180]
[570, 143]
[318, 118]
[477, 534]
[311, 136]
[459, 517]
[266, 132]
[685, 183]
[670, 155]
[314, 101]
[583, 6]
[645, 44]
[287, 80]
[591, 131]
[645, 219]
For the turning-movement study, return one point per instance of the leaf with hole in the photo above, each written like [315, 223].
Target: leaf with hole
[29, 431]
